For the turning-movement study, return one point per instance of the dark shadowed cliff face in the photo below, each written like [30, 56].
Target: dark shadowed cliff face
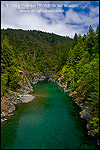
[50, 121]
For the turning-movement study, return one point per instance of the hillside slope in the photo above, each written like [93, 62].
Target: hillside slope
[75, 63]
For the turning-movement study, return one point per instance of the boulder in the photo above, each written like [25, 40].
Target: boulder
[12, 108]
[2, 115]
[85, 114]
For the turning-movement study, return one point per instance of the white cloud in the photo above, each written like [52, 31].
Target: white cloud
[72, 17]
[94, 11]
[11, 18]
[77, 18]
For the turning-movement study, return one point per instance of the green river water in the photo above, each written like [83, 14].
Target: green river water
[50, 121]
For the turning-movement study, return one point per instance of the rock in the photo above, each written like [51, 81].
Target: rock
[17, 101]
[59, 84]
[3, 119]
[2, 115]
[70, 95]
[93, 133]
[88, 126]
[10, 115]
[65, 90]
[98, 141]
[27, 98]
[61, 79]
[12, 108]
[74, 94]
[69, 91]
[34, 82]
[85, 114]
[52, 78]
[81, 105]
[37, 77]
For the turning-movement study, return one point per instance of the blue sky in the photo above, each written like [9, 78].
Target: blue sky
[60, 17]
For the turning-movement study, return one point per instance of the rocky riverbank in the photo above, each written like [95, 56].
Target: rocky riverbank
[52, 78]
[37, 77]
[86, 110]
[22, 95]
[11, 98]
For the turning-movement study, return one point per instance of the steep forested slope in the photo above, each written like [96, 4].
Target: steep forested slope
[32, 51]
[39, 48]
[74, 61]
[81, 76]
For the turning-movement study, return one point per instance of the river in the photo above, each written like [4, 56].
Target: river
[50, 121]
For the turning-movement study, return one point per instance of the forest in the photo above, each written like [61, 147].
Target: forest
[76, 60]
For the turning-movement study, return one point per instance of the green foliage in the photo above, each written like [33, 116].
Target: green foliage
[95, 124]
[81, 70]
[77, 61]
[58, 75]
[75, 39]
[9, 76]
[90, 40]
[39, 50]
[4, 80]
[34, 51]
